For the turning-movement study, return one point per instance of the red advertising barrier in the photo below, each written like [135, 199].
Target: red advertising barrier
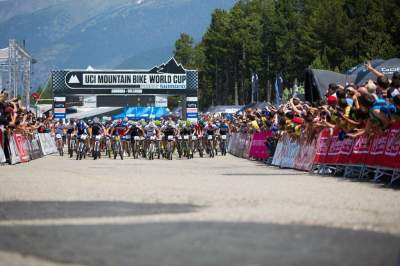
[258, 149]
[22, 147]
[390, 158]
[345, 151]
[360, 151]
[381, 150]
[335, 146]
[323, 143]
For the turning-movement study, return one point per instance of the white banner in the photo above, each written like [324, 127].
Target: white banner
[2, 156]
[13, 151]
[161, 101]
[47, 143]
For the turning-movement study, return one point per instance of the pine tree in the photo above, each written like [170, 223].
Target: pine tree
[184, 50]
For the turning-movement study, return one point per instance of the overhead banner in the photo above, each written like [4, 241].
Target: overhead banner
[169, 78]
[93, 80]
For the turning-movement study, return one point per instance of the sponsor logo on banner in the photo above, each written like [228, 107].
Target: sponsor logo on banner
[191, 99]
[192, 115]
[192, 110]
[60, 99]
[59, 110]
[22, 149]
[161, 101]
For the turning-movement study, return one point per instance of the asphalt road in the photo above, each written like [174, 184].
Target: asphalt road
[222, 211]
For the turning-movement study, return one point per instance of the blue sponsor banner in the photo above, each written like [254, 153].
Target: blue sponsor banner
[60, 115]
[192, 115]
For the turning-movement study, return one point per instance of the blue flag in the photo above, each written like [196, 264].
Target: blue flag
[278, 89]
[254, 83]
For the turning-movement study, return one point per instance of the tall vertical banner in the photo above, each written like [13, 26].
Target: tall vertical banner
[59, 107]
[192, 109]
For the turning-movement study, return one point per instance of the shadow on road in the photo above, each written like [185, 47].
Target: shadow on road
[201, 243]
[25, 210]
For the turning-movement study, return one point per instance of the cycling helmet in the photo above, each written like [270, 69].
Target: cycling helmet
[96, 120]
[157, 123]
[188, 123]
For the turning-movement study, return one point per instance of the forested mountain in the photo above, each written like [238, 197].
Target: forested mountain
[102, 33]
[269, 36]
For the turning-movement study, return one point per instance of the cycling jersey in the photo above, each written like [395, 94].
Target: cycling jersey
[223, 129]
[186, 131]
[97, 129]
[70, 128]
[168, 131]
[119, 130]
[60, 129]
[150, 131]
[135, 131]
[210, 129]
[82, 128]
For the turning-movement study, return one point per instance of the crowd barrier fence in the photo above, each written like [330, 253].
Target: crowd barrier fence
[360, 157]
[22, 149]
[329, 153]
[249, 146]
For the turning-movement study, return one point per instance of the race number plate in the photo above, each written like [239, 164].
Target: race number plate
[185, 137]
[137, 138]
[210, 137]
[170, 137]
[58, 136]
[223, 137]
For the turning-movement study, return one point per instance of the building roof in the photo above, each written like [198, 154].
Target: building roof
[4, 54]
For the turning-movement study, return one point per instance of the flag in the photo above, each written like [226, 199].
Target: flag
[278, 89]
[254, 83]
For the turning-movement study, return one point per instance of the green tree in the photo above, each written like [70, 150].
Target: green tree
[184, 50]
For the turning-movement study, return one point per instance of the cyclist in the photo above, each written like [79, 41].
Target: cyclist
[151, 130]
[224, 128]
[60, 132]
[169, 131]
[95, 129]
[224, 133]
[81, 128]
[135, 132]
[210, 130]
[70, 130]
